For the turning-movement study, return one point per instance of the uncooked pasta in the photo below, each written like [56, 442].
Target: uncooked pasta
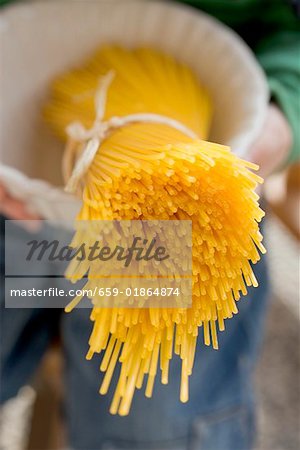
[136, 124]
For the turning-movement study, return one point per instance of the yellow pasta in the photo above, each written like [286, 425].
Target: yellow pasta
[152, 170]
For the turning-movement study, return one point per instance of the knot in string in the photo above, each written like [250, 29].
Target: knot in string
[93, 137]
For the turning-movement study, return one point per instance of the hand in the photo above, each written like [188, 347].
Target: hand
[272, 147]
[13, 208]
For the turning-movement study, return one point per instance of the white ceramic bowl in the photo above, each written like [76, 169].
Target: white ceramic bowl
[41, 39]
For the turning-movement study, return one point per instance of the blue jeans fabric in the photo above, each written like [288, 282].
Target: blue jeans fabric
[220, 414]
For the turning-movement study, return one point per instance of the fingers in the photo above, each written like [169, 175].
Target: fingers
[2, 194]
[13, 208]
[272, 147]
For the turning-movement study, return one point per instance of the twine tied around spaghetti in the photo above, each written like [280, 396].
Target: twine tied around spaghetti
[93, 137]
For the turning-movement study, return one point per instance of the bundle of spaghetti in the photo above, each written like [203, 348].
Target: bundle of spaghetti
[156, 171]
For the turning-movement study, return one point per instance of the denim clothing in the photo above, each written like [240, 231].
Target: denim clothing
[220, 414]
